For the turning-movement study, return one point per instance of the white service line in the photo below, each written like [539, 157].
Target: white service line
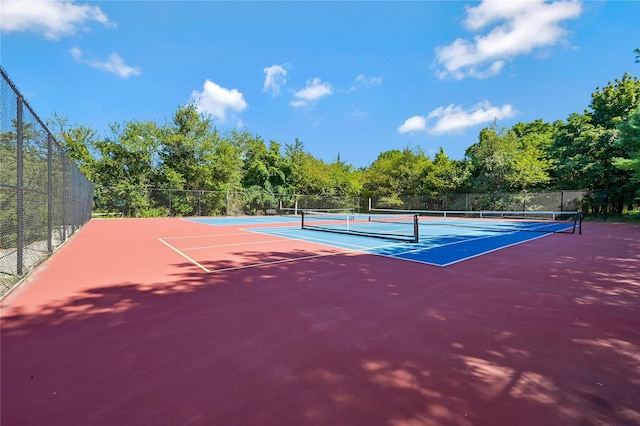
[184, 255]
[204, 236]
[255, 265]
[236, 244]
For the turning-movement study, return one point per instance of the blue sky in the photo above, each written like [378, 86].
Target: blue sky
[349, 78]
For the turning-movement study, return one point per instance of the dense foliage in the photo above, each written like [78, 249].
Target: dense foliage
[596, 149]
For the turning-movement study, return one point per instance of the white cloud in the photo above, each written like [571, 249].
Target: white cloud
[217, 100]
[416, 123]
[275, 78]
[369, 81]
[520, 27]
[315, 90]
[453, 119]
[114, 65]
[52, 19]
[364, 82]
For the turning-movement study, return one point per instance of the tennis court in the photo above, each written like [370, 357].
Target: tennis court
[257, 321]
[440, 241]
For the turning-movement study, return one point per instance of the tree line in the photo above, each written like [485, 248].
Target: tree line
[598, 149]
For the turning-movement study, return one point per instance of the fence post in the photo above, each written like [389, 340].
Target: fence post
[35, 213]
[64, 198]
[19, 185]
[49, 192]
[74, 200]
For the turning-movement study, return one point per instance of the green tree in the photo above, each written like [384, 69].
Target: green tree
[509, 160]
[395, 174]
[584, 156]
[585, 147]
[344, 179]
[629, 142]
[78, 142]
[612, 104]
[443, 175]
[193, 158]
[185, 150]
[307, 174]
[491, 159]
[263, 166]
[124, 168]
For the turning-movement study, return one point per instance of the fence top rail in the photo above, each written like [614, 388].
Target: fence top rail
[475, 211]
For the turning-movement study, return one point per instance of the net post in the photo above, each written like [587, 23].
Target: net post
[302, 221]
[415, 228]
[580, 223]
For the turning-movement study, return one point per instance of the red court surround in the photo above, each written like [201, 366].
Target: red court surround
[119, 328]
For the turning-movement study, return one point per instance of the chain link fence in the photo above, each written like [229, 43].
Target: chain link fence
[157, 202]
[44, 198]
[601, 202]
[522, 201]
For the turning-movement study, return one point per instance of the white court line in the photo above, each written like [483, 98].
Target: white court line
[329, 243]
[460, 242]
[204, 236]
[184, 255]
[390, 256]
[275, 262]
[495, 249]
[343, 250]
[396, 256]
[236, 244]
[254, 265]
[417, 250]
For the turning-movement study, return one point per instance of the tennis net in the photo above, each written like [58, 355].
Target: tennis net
[390, 227]
[295, 211]
[528, 221]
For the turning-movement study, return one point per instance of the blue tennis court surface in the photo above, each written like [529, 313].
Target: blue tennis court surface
[441, 246]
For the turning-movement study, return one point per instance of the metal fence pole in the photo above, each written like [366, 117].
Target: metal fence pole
[65, 183]
[19, 185]
[31, 226]
[49, 192]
